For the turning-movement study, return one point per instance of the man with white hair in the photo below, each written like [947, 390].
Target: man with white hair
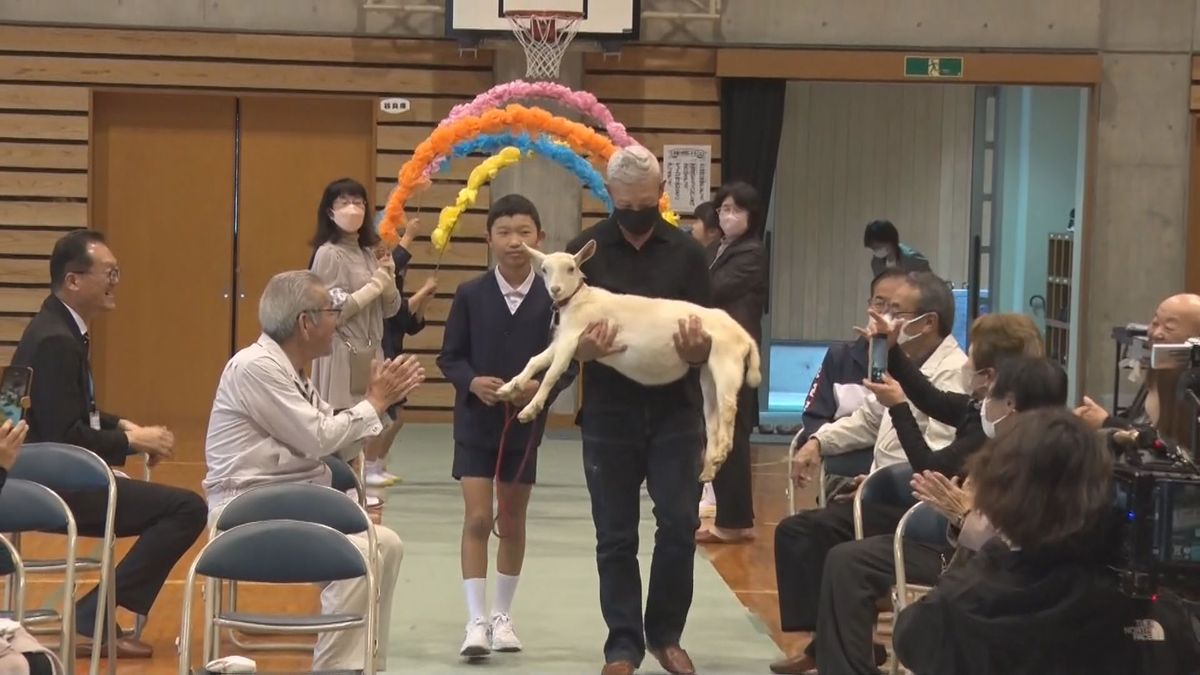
[269, 425]
[634, 433]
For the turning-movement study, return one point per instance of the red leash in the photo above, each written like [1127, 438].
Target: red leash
[509, 416]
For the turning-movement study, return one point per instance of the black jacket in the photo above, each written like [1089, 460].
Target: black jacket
[948, 407]
[739, 282]
[1011, 613]
[844, 363]
[61, 395]
[403, 322]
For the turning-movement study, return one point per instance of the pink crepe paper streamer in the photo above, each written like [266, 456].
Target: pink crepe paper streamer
[502, 94]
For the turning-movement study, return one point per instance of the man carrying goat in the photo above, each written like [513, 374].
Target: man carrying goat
[634, 433]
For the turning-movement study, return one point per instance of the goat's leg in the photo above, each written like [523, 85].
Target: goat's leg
[536, 365]
[727, 380]
[563, 352]
[708, 388]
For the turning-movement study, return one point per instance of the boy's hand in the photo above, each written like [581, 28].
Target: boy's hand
[485, 388]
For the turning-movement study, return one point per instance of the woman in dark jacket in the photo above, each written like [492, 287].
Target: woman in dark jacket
[1038, 598]
[738, 264]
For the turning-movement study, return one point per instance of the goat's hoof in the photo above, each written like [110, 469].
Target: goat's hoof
[528, 413]
[507, 390]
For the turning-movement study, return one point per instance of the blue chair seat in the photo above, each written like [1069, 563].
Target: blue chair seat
[247, 621]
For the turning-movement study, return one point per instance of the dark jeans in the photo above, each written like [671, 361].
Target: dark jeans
[802, 543]
[857, 575]
[166, 520]
[732, 486]
[620, 451]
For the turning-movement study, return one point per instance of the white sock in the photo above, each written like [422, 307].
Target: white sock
[506, 588]
[476, 590]
[373, 466]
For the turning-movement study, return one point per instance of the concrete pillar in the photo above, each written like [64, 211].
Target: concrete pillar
[554, 190]
[1137, 228]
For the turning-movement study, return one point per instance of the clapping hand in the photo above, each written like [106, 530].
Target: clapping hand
[157, 442]
[878, 324]
[944, 494]
[392, 381]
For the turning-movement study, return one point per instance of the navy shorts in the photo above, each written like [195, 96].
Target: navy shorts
[478, 462]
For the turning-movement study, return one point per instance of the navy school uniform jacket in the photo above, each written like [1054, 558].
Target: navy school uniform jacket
[484, 339]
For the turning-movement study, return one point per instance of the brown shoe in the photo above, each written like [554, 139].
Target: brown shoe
[127, 648]
[618, 668]
[796, 665]
[674, 660]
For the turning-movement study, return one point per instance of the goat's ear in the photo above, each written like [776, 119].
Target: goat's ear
[586, 252]
[537, 255]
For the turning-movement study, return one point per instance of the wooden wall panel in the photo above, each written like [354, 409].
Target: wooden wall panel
[43, 192]
[664, 96]
[48, 76]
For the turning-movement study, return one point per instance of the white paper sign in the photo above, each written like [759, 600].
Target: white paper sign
[686, 172]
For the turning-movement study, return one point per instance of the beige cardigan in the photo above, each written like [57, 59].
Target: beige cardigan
[349, 267]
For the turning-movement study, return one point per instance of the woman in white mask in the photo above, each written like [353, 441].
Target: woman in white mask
[361, 277]
[738, 267]
[994, 339]
[883, 240]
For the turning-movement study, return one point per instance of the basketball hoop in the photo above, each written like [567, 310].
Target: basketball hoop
[544, 35]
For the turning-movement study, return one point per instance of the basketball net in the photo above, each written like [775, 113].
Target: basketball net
[544, 35]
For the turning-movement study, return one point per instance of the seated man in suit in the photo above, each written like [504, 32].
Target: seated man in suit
[269, 425]
[167, 520]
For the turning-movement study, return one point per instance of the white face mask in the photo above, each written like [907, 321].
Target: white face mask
[349, 218]
[733, 224]
[880, 253]
[989, 427]
[904, 336]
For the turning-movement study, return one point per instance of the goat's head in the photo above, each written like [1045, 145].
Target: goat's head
[561, 271]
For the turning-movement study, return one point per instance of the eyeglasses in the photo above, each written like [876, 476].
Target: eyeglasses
[349, 201]
[113, 275]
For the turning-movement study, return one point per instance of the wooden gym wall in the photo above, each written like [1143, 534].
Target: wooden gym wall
[664, 96]
[47, 75]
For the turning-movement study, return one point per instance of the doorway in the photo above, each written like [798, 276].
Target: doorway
[203, 199]
[984, 181]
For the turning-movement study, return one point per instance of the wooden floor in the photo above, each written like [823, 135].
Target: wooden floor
[749, 570]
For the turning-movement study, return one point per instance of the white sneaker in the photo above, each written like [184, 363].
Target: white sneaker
[375, 479]
[478, 642]
[504, 639]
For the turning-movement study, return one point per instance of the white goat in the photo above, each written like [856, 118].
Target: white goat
[647, 328]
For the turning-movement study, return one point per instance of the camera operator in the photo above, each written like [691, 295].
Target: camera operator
[1039, 597]
[1175, 321]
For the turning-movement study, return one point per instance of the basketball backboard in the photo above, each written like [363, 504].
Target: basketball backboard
[602, 19]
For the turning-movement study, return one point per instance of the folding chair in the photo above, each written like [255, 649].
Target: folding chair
[286, 501]
[63, 468]
[29, 507]
[921, 524]
[278, 552]
[345, 478]
[888, 485]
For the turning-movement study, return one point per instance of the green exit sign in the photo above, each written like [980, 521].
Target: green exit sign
[933, 66]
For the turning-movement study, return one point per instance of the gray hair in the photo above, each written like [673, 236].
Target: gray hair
[633, 164]
[936, 298]
[286, 297]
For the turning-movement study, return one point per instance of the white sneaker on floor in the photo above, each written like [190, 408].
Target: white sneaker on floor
[504, 638]
[375, 479]
[478, 642]
[391, 476]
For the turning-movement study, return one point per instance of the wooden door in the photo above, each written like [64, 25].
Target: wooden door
[291, 148]
[162, 187]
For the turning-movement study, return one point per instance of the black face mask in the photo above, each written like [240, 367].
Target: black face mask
[637, 221]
